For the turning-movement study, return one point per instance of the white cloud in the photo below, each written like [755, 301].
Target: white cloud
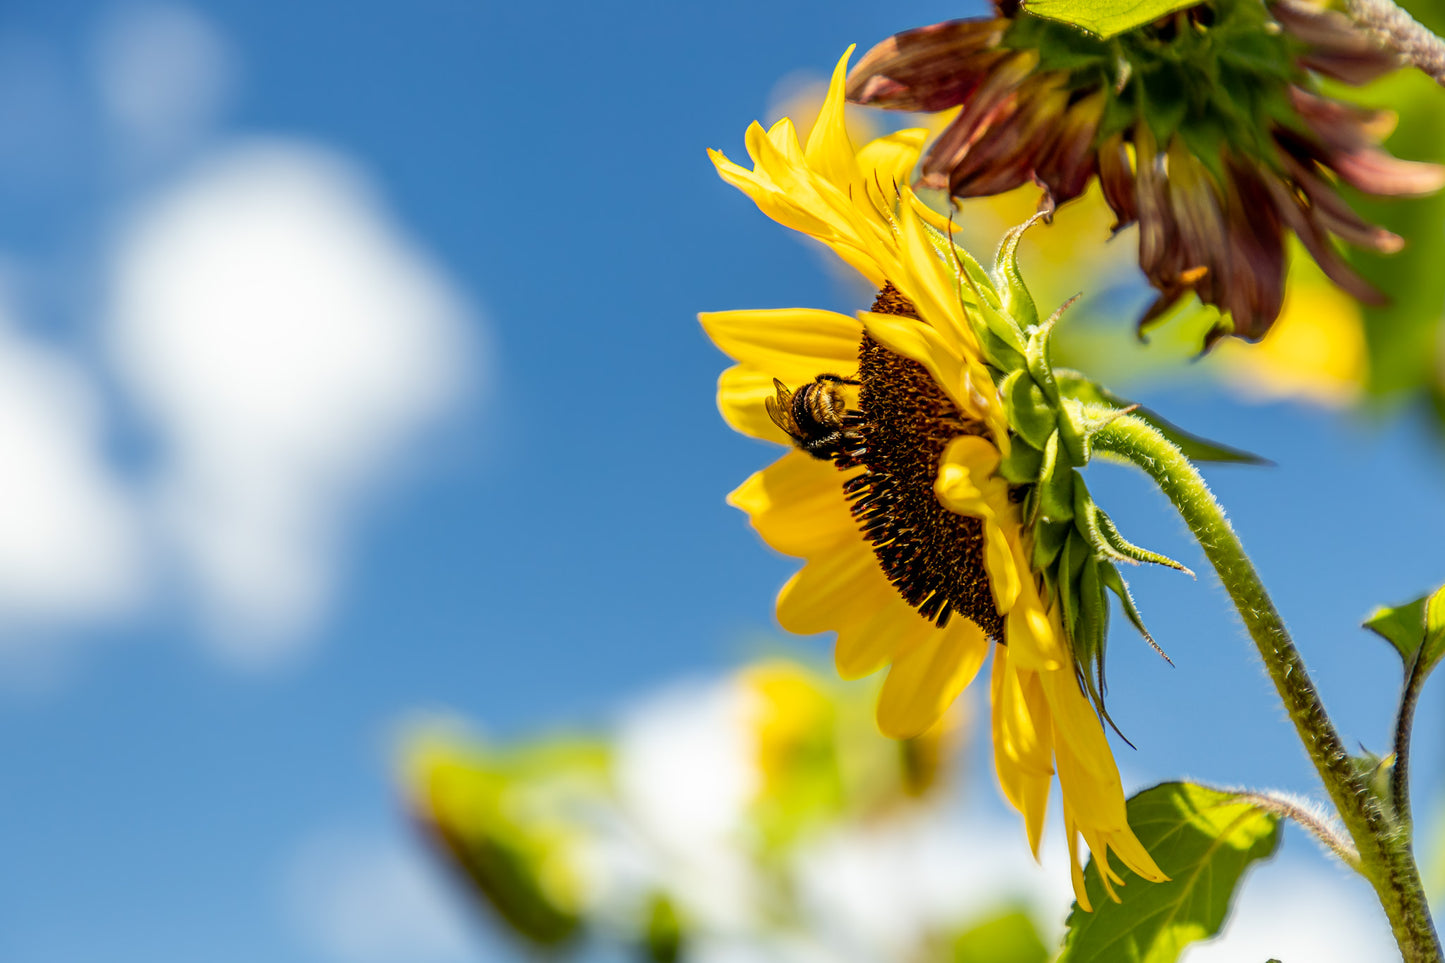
[685, 774]
[1301, 912]
[362, 897]
[874, 890]
[288, 344]
[163, 74]
[69, 548]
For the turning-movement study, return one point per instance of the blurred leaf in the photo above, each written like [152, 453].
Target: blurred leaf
[1010, 937]
[1075, 385]
[664, 931]
[1105, 18]
[509, 821]
[1204, 840]
[1401, 335]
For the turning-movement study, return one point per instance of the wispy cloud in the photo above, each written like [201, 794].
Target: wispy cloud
[70, 548]
[268, 327]
[361, 896]
[289, 344]
[163, 74]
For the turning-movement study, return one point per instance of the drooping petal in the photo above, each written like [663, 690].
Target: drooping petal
[924, 681]
[930, 68]
[816, 599]
[1022, 743]
[885, 627]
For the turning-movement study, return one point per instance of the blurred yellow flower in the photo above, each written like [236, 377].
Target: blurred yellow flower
[1316, 351]
[897, 507]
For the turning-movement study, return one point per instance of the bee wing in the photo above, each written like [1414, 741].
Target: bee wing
[780, 409]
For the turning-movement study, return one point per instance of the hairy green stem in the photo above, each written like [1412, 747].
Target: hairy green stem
[1321, 827]
[1385, 856]
[1404, 724]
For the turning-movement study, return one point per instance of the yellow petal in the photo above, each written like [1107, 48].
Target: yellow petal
[792, 344]
[829, 151]
[924, 682]
[797, 504]
[891, 159]
[1100, 796]
[884, 628]
[1035, 641]
[1001, 563]
[1021, 745]
[920, 342]
[813, 600]
[1076, 866]
[966, 481]
[742, 391]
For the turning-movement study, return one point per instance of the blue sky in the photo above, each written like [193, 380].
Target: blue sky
[459, 451]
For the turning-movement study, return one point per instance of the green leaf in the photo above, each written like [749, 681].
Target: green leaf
[1204, 840]
[1010, 937]
[1080, 388]
[1402, 626]
[1105, 18]
[1416, 630]
[1434, 647]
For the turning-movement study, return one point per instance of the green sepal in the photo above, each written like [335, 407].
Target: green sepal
[1037, 358]
[1121, 548]
[1029, 412]
[1000, 355]
[1049, 541]
[1001, 325]
[1119, 587]
[1093, 628]
[974, 274]
[1204, 840]
[1078, 387]
[1022, 463]
[1068, 598]
[1075, 439]
[1017, 301]
[1047, 463]
[1056, 492]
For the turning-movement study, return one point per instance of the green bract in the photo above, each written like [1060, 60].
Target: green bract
[1053, 414]
[1225, 85]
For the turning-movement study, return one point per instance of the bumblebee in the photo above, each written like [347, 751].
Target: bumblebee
[815, 416]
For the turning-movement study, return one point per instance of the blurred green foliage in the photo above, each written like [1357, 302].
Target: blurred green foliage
[560, 842]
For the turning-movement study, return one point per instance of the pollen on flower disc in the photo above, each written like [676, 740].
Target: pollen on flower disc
[934, 557]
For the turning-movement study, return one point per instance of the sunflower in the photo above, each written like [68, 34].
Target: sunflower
[915, 544]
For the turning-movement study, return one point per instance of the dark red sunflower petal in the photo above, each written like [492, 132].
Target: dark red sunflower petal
[930, 68]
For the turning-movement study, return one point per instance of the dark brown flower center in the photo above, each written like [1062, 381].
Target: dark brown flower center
[933, 556]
